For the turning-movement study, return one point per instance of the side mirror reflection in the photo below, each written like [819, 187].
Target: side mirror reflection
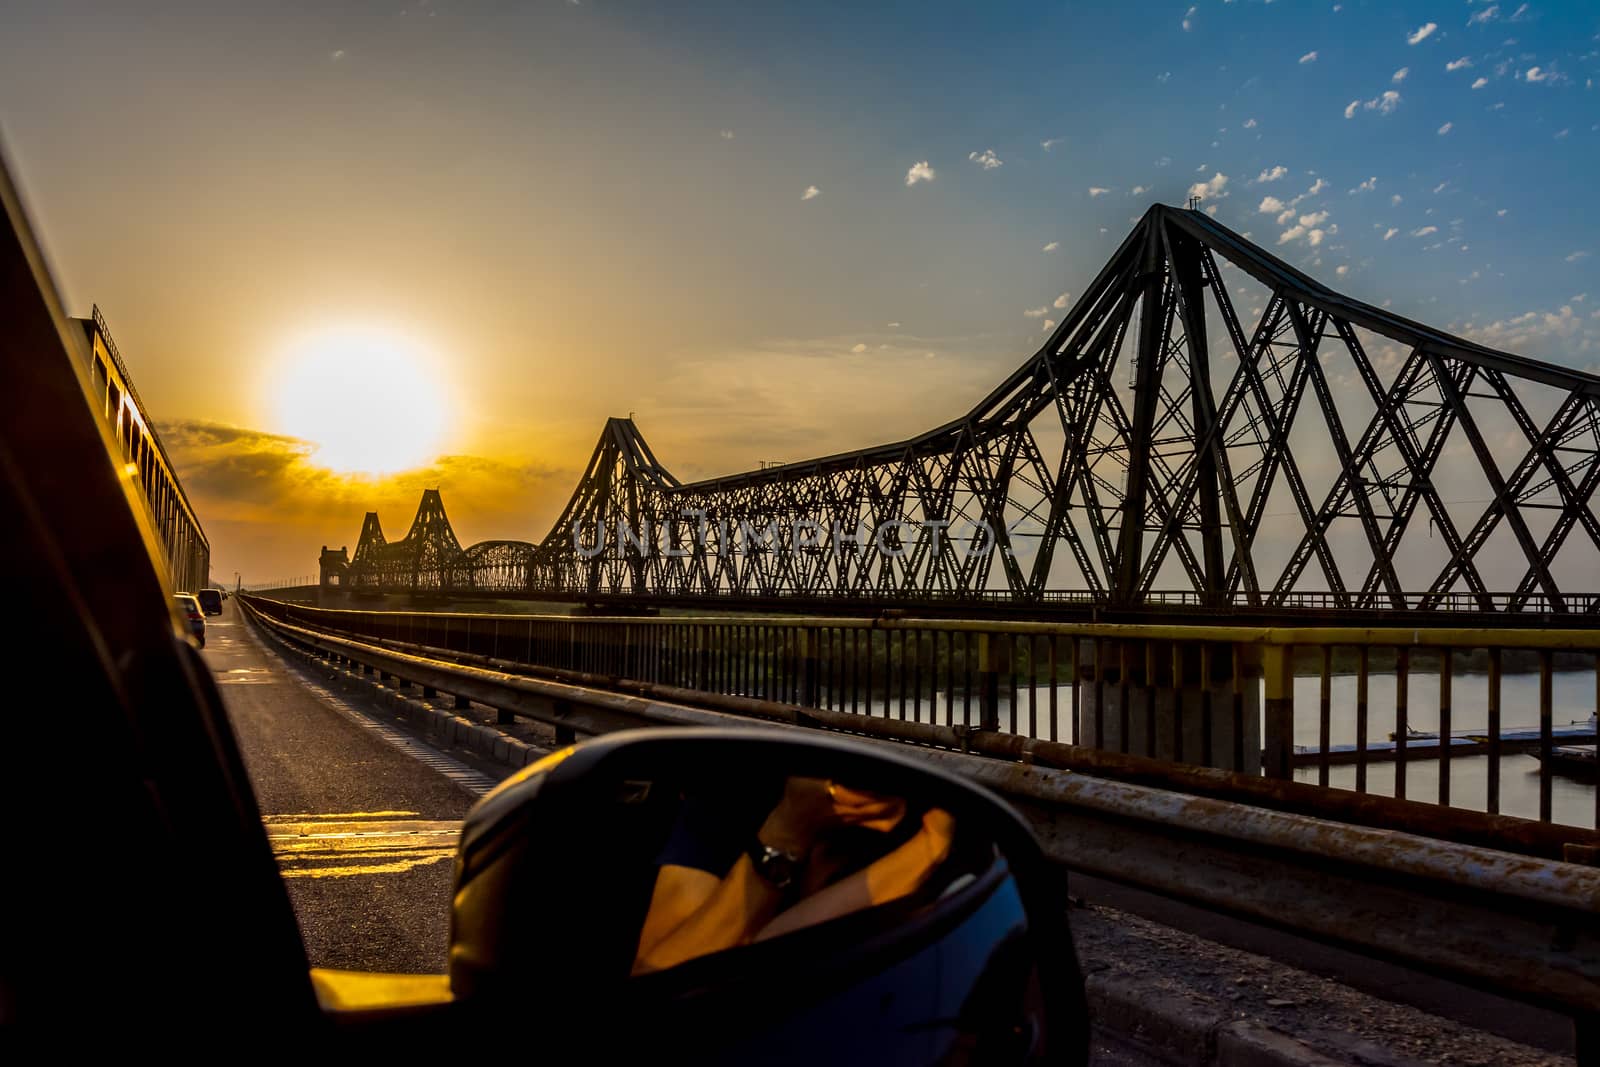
[746, 865]
[743, 893]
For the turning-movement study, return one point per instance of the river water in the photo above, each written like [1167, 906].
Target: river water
[1573, 700]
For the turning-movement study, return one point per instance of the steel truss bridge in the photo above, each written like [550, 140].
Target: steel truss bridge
[1208, 428]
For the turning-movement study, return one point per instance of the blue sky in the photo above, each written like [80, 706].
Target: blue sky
[713, 214]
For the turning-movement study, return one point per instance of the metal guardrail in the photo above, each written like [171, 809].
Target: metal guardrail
[466, 581]
[1523, 926]
[1363, 709]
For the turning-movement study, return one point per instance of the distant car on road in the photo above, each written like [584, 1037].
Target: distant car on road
[190, 606]
[210, 601]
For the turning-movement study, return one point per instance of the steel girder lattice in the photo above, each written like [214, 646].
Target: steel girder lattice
[1164, 447]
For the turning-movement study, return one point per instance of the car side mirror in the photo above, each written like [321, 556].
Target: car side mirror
[746, 895]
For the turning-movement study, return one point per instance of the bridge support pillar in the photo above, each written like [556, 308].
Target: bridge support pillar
[1190, 702]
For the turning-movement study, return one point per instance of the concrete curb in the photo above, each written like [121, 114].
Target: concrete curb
[1192, 1030]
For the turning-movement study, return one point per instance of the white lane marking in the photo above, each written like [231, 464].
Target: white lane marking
[473, 781]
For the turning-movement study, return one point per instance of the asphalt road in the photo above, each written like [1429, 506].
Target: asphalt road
[364, 832]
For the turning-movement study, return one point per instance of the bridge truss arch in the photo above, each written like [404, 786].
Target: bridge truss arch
[1207, 427]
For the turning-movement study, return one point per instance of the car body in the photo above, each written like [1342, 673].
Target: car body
[210, 601]
[189, 605]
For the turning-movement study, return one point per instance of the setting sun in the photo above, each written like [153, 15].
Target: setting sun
[367, 400]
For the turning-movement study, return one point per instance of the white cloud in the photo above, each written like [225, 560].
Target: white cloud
[1272, 174]
[1342, 269]
[1390, 232]
[1396, 198]
[1188, 18]
[1051, 142]
[337, 54]
[1270, 205]
[1366, 186]
[1047, 325]
[1315, 218]
[1480, 83]
[1098, 190]
[1138, 190]
[1384, 103]
[986, 159]
[1422, 33]
[1291, 233]
[1486, 15]
[858, 349]
[1446, 128]
[1288, 212]
[1037, 313]
[726, 135]
[1249, 124]
[1309, 57]
[894, 325]
[1317, 187]
[1532, 330]
[1458, 64]
[811, 193]
[1535, 75]
[1575, 256]
[920, 172]
[1314, 237]
[1425, 231]
[1400, 75]
[1211, 190]
[1052, 246]
[1061, 301]
[1501, 213]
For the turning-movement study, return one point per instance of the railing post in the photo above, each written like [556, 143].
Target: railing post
[1277, 664]
[993, 660]
[565, 735]
[703, 656]
[810, 690]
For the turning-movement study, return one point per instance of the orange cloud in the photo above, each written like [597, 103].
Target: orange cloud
[267, 506]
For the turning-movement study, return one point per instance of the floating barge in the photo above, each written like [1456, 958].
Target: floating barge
[1422, 745]
[1575, 761]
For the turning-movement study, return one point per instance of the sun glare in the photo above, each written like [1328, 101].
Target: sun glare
[366, 399]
